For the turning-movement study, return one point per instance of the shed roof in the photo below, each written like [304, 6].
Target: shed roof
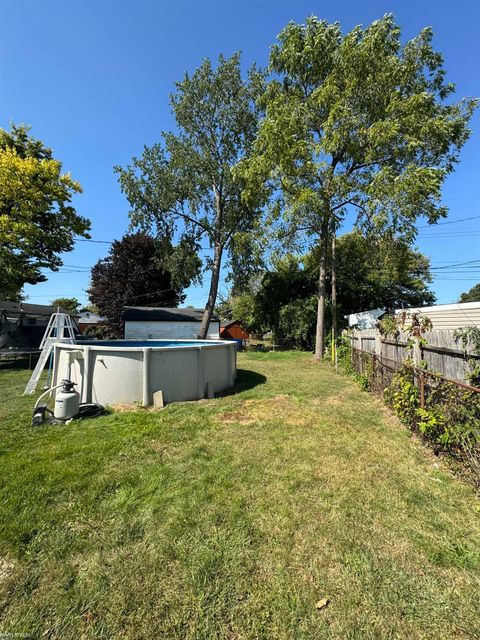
[229, 323]
[165, 314]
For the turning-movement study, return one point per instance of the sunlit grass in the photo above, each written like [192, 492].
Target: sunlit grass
[231, 518]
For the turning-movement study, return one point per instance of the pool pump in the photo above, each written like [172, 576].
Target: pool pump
[67, 401]
[67, 406]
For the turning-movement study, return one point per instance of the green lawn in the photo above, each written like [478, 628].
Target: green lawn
[230, 518]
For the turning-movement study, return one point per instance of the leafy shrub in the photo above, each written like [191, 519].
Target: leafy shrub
[450, 417]
[403, 395]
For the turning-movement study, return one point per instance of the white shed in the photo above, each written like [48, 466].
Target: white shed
[164, 323]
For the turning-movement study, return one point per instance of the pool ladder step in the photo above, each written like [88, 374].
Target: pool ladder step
[59, 329]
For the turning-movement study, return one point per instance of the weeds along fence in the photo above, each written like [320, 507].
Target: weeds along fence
[439, 350]
[445, 411]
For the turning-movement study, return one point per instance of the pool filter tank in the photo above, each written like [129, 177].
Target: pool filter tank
[67, 401]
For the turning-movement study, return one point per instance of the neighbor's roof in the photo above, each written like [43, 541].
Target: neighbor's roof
[12, 309]
[165, 314]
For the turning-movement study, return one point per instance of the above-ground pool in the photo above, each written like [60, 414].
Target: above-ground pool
[114, 372]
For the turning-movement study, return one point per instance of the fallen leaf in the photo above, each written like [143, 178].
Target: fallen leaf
[321, 604]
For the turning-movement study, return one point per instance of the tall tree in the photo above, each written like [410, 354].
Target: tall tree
[134, 273]
[37, 220]
[376, 272]
[356, 122]
[473, 295]
[185, 184]
[370, 273]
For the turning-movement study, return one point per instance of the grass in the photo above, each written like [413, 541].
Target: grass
[230, 518]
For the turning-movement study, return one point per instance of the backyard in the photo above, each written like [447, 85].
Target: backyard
[295, 508]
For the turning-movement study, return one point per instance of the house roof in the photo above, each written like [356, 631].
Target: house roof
[12, 309]
[165, 314]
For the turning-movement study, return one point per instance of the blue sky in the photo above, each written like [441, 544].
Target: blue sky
[92, 79]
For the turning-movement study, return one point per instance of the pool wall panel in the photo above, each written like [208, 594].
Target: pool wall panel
[126, 375]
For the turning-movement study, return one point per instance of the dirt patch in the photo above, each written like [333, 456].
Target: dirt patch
[124, 408]
[252, 411]
[6, 569]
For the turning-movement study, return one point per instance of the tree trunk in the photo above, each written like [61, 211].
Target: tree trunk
[212, 295]
[334, 300]
[319, 337]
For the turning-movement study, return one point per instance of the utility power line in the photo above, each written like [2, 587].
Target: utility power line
[437, 224]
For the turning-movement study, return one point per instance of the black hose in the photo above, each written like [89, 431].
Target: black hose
[90, 410]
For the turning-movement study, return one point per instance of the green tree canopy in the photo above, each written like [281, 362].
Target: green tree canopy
[134, 274]
[371, 273]
[473, 295]
[185, 187]
[356, 123]
[376, 272]
[71, 305]
[37, 220]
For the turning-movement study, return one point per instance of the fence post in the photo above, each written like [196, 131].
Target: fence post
[421, 384]
[417, 353]
[374, 360]
[378, 342]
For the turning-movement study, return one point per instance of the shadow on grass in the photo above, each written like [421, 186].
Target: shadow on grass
[246, 379]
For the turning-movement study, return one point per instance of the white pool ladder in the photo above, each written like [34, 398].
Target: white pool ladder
[59, 329]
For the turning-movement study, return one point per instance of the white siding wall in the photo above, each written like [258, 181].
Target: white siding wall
[451, 316]
[158, 330]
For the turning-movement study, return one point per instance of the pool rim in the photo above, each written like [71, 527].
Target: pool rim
[97, 344]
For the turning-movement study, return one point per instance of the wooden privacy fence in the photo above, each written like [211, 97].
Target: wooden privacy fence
[438, 350]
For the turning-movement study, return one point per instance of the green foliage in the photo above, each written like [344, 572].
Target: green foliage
[473, 295]
[185, 186]
[293, 281]
[135, 273]
[356, 122]
[37, 220]
[69, 304]
[403, 395]
[388, 326]
[297, 323]
[451, 418]
[389, 274]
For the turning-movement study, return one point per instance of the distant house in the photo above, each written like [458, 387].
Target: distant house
[233, 330]
[152, 323]
[449, 316]
[87, 319]
[443, 316]
[22, 324]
